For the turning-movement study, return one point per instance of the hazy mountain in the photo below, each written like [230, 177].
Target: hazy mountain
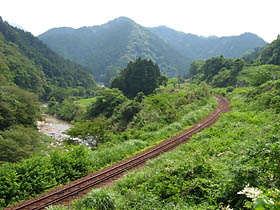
[198, 47]
[107, 48]
[27, 62]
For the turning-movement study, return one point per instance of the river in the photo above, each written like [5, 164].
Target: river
[53, 127]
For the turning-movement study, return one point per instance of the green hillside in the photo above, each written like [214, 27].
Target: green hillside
[197, 47]
[108, 48]
[30, 64]
[232, 165]
[222, 72]
[121, 127]
[271, 54]
[30, 72]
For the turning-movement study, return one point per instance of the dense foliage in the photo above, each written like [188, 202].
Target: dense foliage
[27, 62]
[66, 110]
[19, 142]
[232, 165]
[107, 48]
[217, 71]
[19, 111]
[32, 176]
[128, 131]
[17, 107]
[106, 102]
[257, 75]
[271, 54]
[144, 113]
[27, 65]
[255, 68]
[139, 76]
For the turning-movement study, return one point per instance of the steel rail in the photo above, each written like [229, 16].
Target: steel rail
[110, 172]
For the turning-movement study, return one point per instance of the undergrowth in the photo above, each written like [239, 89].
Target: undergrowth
[214, 170]
[28, 178]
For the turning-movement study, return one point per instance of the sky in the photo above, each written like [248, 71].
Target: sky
[201, 17]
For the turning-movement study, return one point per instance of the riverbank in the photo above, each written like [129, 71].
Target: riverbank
[54, 128]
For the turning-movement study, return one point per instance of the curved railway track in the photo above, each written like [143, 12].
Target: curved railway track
[75, 189]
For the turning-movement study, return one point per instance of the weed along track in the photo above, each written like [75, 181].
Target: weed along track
[67, 193]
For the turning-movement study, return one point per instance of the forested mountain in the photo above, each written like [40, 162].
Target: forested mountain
[197, 47]
[254, 69]
[232, 165]
[27, 65]
[30, 64]
[109, 47]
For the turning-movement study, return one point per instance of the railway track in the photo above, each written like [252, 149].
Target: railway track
[68, 192]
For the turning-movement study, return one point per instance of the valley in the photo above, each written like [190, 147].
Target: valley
[159, 84]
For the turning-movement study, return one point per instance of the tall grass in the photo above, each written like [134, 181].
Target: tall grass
[175, 112]
[207, 173]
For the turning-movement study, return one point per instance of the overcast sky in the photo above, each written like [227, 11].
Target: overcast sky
[201, 17]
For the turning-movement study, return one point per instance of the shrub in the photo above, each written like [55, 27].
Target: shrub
[97, 199]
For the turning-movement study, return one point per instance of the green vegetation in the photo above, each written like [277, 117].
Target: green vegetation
[232, 165]
[116, 136]
[130, 117]
[96, 199]
[107, 48]
[19, 138]
[18, 107]
[66, 110]
[107, 100]
[84, 103]
[62, 102]
[197, 47]
[19, 142]
[215, 169]
[217, 71]
[271, 53]
[221, 72]
[30, 177]
[139, 76]
[257, 75]
[28, 63]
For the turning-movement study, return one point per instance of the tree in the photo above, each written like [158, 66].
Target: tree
[237, 66]
[19, 142]
[140, 76]
[163, 80]
[271, 53]
[260, 76]
[92, 131]
[212, 66]
[17, 107]
[107, 101]
[222, 79]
